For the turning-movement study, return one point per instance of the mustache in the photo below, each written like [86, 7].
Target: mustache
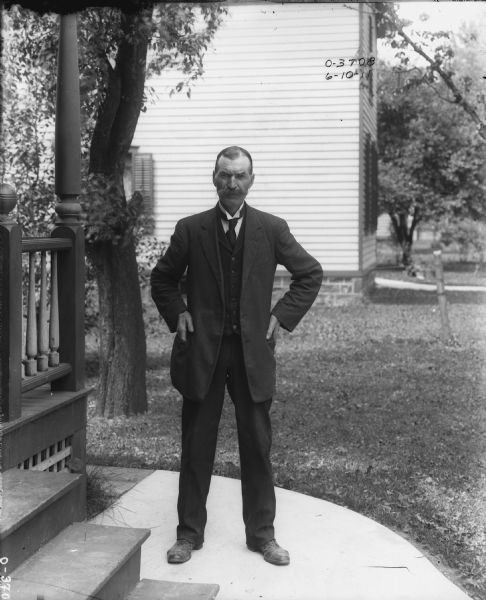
[226, 192]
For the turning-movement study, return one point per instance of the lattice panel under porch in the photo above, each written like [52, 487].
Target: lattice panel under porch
[54, 458]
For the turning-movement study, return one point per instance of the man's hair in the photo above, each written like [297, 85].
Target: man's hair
[233, 152]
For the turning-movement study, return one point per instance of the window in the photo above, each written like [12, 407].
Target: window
[143, 179]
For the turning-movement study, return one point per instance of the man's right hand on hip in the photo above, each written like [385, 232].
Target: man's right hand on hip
[184, 325]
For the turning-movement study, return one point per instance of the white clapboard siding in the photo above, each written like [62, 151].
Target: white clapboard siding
[264, 88]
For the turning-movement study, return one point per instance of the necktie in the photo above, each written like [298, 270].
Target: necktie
[231, 233]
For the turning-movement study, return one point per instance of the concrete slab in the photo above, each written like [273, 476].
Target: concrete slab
[120, 479]
[336, 554]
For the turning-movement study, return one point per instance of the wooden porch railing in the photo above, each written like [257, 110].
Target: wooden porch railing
[43, 315]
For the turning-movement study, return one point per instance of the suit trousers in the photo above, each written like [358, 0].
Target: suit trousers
[200, 422]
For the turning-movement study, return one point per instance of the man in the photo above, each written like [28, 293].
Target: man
[226, 335]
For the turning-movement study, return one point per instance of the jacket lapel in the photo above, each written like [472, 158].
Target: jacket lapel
[252, 242]
[209, 242]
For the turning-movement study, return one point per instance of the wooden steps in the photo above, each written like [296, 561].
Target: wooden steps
[151, 589]
[83, 562]
[55, 558]
[36, 506]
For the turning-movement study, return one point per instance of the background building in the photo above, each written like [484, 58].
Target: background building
[294, 84]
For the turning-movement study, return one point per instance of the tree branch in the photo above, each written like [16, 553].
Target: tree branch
[118, 116]
[416, 218]
[458, 97]
[396, 226]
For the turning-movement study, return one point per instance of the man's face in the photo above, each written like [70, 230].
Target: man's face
[232, 180]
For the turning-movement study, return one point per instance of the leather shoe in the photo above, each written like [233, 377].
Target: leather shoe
[272, 553]
[181, 551]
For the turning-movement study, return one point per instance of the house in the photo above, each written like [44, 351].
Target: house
[294, 84]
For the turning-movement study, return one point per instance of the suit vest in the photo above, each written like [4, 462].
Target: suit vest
[232, 265]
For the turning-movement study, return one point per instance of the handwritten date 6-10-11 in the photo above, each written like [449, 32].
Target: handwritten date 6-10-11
[349, 75]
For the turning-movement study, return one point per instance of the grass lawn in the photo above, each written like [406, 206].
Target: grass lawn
[373, 412]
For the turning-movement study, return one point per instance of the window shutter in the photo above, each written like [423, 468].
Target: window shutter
[143, 180]
[371, 186]
[374, 189]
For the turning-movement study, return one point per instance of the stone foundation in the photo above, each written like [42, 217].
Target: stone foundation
[335, 291]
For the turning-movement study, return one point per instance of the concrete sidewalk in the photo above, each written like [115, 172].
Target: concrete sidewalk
[335, 553]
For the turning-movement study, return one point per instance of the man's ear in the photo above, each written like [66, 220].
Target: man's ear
[252, 179]
[214, 175]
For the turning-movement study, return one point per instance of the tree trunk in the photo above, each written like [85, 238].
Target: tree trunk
[406, 253]
[404, 234]
[122, 385]
[122, 336]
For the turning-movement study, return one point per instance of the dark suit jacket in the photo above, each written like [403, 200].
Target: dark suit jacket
[194, 245]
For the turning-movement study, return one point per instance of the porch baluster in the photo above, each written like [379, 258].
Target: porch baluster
[54, 315]
[31, 341]
[43, 344]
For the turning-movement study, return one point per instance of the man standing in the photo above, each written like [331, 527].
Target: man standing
[226, 335]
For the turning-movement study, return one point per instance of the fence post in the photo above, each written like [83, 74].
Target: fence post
[10, 307]
[70, 265]
[445, 329]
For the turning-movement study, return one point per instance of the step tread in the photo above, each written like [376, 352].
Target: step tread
[77, 563]
[26, 493]
[151, 589]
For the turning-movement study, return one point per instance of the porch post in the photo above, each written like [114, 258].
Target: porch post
[10, 307]
[70, 265]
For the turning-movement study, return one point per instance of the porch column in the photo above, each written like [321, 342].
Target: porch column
[70, 265]
[10, 307]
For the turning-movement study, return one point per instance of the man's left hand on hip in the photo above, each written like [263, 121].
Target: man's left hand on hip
[273, 328]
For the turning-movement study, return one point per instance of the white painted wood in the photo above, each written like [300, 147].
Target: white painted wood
[264, 88]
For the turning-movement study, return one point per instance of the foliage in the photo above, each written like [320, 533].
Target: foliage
[431, 158]
[470, 235]
[100, 494]
[26, 150]
[149, 250]
[437, 50]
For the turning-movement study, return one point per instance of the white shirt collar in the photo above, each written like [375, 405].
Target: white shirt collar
[237, 214]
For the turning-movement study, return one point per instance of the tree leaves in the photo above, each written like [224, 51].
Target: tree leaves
[431, 159]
